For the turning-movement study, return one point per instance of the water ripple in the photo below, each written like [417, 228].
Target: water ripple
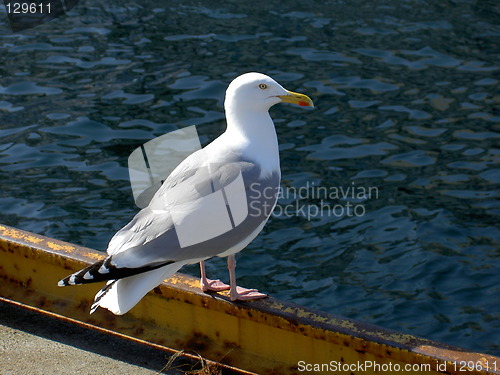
[28, 88]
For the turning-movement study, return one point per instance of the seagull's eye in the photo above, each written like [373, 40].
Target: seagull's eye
[262, 86]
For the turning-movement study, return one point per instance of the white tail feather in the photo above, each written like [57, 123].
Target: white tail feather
[126, 293]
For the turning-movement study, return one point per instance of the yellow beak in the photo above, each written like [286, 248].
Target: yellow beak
[296, 98]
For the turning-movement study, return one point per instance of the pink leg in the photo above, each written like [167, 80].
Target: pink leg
[207, 284]
[236, 292]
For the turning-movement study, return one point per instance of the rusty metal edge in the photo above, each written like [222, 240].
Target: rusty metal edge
[294, 315]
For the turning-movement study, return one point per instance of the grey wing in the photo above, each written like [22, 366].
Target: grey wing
[199, 212]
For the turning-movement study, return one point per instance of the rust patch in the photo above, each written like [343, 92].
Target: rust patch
[198, 342]
[231, 345]
[12, 233]
[19, 235]
[27, 284]
[33, 239]
[42, 302]
[95, 256]
[179, 280]
[57, 247]
[84, 306]
[158, 291]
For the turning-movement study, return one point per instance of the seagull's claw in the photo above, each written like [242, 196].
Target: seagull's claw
[243, 294]
[213, 285]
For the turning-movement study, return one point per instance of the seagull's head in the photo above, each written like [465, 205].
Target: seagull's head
[258, 92]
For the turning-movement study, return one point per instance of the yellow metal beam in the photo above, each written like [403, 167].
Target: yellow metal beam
[266, 336]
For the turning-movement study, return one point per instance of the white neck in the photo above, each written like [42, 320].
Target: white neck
[254, 132]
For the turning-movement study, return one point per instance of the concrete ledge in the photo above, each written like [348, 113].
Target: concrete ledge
[38, 344]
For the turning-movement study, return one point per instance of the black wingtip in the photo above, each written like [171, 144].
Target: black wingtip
[101, 294]
[105, 270]
[90, 274]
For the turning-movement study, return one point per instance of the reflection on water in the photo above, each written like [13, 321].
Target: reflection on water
[407, 102]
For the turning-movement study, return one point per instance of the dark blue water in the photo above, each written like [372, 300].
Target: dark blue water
[407, 98]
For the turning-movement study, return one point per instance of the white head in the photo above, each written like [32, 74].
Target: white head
[257, 92]
[249, 125]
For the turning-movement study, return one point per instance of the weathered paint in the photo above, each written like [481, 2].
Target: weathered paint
[266, 336]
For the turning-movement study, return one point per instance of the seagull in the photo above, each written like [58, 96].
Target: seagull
[214, 203]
